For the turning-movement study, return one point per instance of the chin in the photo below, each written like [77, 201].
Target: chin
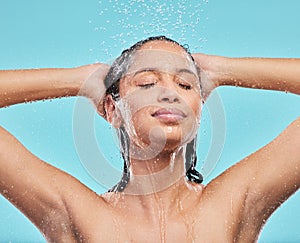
[160, 136]
[172, 141]
[172, 147]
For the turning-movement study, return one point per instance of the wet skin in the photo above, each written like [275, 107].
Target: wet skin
[223, 211]
[231, 208]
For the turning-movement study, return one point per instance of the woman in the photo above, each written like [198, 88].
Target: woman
[153, 96]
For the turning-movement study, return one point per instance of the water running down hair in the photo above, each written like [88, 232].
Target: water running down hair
[112, 82]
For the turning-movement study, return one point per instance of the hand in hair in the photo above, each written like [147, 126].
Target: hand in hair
[93, 86]
[208, 66]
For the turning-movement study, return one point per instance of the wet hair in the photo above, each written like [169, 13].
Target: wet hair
[112, 82]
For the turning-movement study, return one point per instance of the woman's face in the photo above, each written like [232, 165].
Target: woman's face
[160, 97]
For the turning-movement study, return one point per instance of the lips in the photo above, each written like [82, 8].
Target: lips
[169, 115]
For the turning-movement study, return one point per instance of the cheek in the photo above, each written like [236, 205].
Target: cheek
[195, 104]
[138, 120]
[142, 126]
[137, 99]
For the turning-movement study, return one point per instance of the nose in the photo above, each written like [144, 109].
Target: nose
[168, 95]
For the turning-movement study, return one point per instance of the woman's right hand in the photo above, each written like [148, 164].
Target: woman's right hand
[210, 70]
[92, 87]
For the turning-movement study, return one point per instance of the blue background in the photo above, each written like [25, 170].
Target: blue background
[39, 33]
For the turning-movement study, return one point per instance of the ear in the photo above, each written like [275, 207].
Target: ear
[113, 114]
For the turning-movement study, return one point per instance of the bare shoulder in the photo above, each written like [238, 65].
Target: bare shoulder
[95, 218]
[254, 187]
[52, 199]
[272, 171]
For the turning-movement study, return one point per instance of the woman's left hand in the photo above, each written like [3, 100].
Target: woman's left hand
[209, 74]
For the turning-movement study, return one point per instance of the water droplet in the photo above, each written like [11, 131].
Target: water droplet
[169, 129]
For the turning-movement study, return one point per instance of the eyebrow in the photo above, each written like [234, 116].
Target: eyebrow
[146, 70]
[181, 70]
[185, 70]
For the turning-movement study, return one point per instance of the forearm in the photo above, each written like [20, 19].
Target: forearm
[17, 86]
[262, 73]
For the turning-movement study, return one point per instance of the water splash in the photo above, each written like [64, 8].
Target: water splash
[126, 23]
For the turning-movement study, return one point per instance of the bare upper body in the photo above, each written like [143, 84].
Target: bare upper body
[231, 208]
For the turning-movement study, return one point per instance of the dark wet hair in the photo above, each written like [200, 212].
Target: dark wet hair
[112, 82]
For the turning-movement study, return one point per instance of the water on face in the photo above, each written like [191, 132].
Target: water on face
[144, 72]
[139, 19]
[170, 64]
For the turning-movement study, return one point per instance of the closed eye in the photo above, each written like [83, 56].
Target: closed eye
[146, 86]
[185, 86]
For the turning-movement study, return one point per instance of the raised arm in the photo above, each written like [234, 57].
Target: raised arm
[18, 86]
[38, 189]
[270, 175]
[282, 74]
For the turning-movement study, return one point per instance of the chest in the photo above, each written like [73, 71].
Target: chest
[177, 232]
[186, 228]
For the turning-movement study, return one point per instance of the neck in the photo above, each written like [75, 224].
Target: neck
[159, 185]
[156, 174]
